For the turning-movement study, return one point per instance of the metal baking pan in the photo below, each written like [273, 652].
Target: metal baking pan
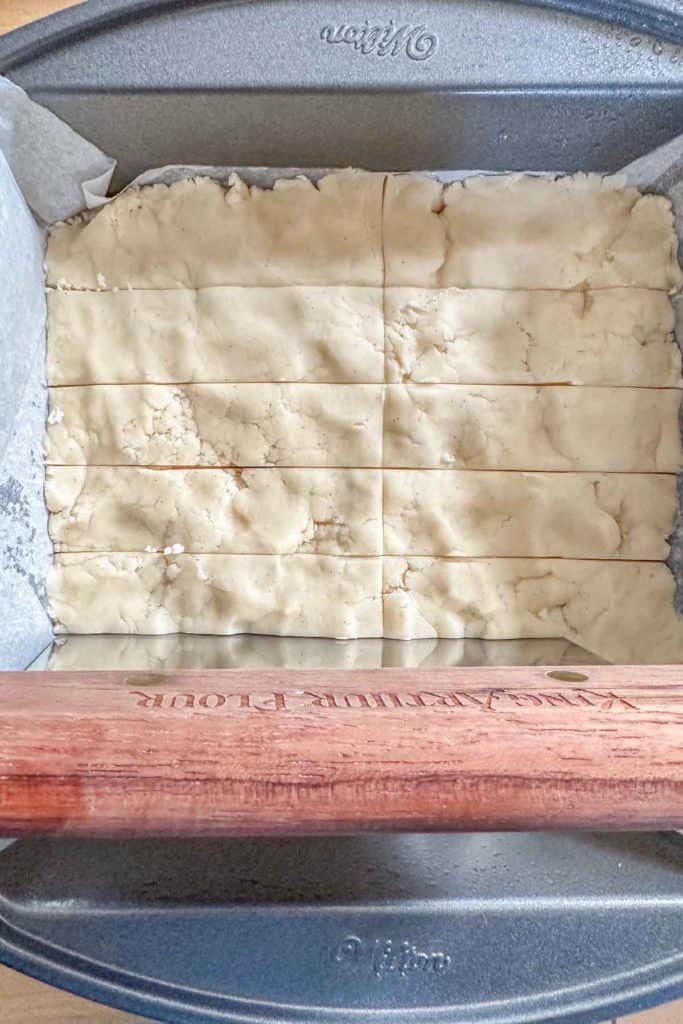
[498, 929]
[489, 928]
[486, 84]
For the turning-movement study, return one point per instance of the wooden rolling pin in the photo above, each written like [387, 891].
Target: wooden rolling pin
[263, 752]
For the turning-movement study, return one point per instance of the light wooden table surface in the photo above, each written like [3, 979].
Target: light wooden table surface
[14, 13]
[22, 1000]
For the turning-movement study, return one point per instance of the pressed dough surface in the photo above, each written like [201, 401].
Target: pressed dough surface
[300, 595]
[247, 511]
[328, 333]
[560, 515]
[341, 512]
[342, 410]
[492, 336]
[620, 610]
[216, 425]
[623, 611]
[198, 232]
[625, 430]
[517, 231]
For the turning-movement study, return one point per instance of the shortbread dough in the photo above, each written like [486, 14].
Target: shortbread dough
[299, 595]
[344, 410]
[491, 336]
[553, 515]
[216, 424]
[629, 430]
[248, 511]
[333, 334]
[198, 232]
[622, 611]
[518, 231]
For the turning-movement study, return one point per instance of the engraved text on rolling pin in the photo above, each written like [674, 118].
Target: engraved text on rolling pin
[485, 701]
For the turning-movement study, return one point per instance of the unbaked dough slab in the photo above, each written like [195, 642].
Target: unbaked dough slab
[629, 430]
[622, 611]
[555, 515]
[332, 334]
[296, 595]
[216, 424]
[248, 511]
[198, 232]
[492, 336]
[518, 231]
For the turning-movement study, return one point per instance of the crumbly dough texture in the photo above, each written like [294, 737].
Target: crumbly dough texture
[299, 595]
[341, 410]
[216, 425]
[248, 511]
[198, 232]
[491, 336]
[526, 515]
[330, 333]
[624, 430]
[518, 231]
[621, 611]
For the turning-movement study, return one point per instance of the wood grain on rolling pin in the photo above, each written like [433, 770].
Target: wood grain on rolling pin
[264, 752]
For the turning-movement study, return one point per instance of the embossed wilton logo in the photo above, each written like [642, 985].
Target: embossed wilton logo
[385, 958]
[384, 40]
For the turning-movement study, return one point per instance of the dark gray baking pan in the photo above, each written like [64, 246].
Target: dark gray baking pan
[413, 929]
[479, 84]
[492, 929]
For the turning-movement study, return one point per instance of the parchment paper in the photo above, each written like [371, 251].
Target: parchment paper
[48, 173]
